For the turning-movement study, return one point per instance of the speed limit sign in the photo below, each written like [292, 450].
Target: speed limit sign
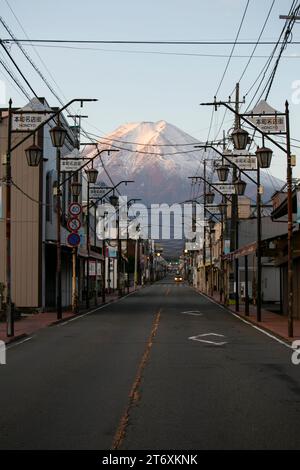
[75, 209]
[73, 224]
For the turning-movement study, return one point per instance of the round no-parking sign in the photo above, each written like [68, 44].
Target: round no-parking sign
[73, 239]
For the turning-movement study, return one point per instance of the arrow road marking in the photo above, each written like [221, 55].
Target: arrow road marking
[198, 338]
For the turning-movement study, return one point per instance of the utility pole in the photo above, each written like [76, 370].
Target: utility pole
[290, 222]
[74, 265]
[9, 312]
[234, 209]
[258, 248]
[204, 228]
[77, 123]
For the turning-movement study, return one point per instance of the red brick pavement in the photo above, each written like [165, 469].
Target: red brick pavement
[273, 323]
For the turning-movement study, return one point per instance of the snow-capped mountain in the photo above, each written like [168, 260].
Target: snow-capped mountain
[159, 157]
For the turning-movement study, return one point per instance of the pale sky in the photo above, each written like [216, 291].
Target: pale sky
[132, 82]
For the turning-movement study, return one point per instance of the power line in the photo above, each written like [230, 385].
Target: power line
[18, 68]
[188, 54]
[227, 64]
[174, 42]
[37, 53]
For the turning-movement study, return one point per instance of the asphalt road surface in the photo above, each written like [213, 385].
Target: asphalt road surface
[164, 368]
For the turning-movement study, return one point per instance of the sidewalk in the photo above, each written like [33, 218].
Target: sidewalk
[29, 324]
[271, 322]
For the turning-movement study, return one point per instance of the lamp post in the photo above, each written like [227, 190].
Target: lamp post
[33, 156]
[240, 138]
[224, 198]
[263, 157]
[92, 174]
[211, 225]
[58, 135]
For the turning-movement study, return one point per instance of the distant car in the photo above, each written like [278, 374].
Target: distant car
[178, 277]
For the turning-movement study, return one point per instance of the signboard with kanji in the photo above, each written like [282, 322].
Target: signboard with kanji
[213, 209]
[97, 192]
[26, 122]
[226, 189]
[70, 164]
[267, 118]
[244, 162]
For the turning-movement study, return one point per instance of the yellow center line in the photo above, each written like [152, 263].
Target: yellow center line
[134, 394]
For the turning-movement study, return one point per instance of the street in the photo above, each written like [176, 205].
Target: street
[163, 368]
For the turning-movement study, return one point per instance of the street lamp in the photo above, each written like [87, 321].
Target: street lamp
[223, 207]
[264, 157]
[240, 186]
[33, 155]
[92, 175]
[211, 225]
[58, 134]
[76, 188]
[113, 199]
[240, 138]
[222, 172]
[210, 196]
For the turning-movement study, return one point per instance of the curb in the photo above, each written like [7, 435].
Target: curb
[12, 339]
[63, 320]
[289, 341]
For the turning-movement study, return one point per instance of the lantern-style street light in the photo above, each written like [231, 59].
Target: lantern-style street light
[264, 157]
[240, 138]
[210, 196]
[92, 175]
[240, 187]
[113, 199]
[222, 172]
[33, 155]
[223, 207]
[58, 134]
[76, 188]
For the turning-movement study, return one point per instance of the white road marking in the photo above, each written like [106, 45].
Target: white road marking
[201, 340]
[17, 343]
[96, 309]
[247, 322]
[193, 312]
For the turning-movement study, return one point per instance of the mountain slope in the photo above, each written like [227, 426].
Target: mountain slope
[159, 157]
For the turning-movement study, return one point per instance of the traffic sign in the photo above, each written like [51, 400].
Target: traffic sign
[73, 239]
[73, 224]
[75, 209]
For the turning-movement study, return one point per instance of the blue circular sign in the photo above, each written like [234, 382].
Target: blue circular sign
[73, 239]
